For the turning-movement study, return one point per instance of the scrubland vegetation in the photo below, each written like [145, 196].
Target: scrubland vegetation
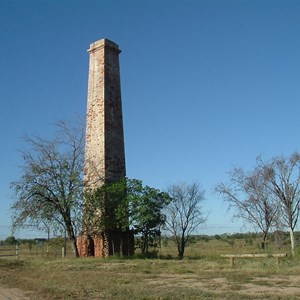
[50, 195]
[202, 274]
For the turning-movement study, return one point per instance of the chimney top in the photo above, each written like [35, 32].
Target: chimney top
[103, 43]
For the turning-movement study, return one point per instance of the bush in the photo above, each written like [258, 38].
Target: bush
[11, 240]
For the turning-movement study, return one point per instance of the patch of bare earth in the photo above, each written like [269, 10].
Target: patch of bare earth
[12, 294]
[273, 285]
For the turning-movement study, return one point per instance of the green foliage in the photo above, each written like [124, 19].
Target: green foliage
[148, 254]
[218, 237]
[145, 212]
[127, 204]
[49, 192]
[11, 240]
[106, 207]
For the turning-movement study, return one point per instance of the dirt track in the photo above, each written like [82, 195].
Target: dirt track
[12, 294]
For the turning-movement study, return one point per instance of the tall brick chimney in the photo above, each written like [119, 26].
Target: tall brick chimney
[104, 152]
[105, 155]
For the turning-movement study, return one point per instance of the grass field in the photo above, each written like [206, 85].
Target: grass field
[203, 274]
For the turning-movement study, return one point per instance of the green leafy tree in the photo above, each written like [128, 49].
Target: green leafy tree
[106, 208]
[146, 215]
[106, 211]
[10, 240]
[51, 186]
[126, 205]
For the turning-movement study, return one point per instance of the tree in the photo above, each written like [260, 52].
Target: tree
[126, 204]
[282, 179]
[146, 212]
[254, 203]
[106, 208]
[184, 213]
[269, 195]
[10, 240]
[51, 186]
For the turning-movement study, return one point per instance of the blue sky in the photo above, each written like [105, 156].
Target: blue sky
[206, 85]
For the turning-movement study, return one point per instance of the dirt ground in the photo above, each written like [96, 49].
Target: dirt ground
[12, 294]
[281, 286]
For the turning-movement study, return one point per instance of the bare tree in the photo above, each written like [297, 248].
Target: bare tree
[282, 178]
[51, 185]
[254, 203]
[184, 213]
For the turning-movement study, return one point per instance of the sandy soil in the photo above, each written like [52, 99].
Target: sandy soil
[280, 286]
[12, 294]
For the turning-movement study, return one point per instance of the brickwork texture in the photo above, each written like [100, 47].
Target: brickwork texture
[104, 152]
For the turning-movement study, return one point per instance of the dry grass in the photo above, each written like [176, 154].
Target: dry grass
[202, 275]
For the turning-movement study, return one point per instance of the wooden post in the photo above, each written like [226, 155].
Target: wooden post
[17, 250]
[65, 244]
[232, 257]
[63, 252]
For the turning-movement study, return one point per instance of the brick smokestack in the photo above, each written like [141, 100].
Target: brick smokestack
[104, 152]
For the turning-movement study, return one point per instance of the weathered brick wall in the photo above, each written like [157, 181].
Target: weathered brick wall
[104, 152]
[105, 244]
[85, 246]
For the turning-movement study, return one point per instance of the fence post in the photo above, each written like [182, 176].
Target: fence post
[232, 261]
[63, 252]
[17, 250]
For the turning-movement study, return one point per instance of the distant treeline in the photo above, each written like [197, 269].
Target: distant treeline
[11, 240]
[283, 235]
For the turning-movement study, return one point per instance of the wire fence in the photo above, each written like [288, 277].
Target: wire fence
[28, 250]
